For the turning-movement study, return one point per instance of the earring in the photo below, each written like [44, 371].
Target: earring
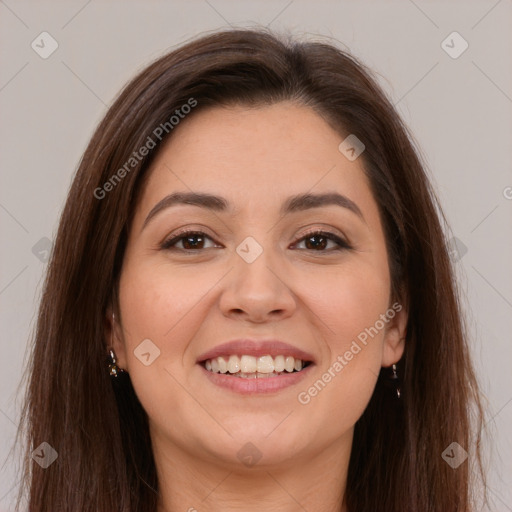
[113, 369]
[395, 379]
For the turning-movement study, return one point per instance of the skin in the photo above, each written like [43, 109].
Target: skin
[318, 299]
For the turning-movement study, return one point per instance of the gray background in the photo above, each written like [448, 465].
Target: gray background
[459, 110]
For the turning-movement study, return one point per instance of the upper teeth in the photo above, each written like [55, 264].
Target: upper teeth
[252, 364]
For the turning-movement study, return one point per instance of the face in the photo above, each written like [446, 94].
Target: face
[301, 279]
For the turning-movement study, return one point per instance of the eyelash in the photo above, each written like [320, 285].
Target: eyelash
[168, 244]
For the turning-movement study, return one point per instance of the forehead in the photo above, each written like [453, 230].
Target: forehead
[254, 155]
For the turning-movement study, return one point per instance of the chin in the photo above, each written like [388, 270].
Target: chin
[260, 441]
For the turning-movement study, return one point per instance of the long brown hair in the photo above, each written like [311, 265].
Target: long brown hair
[99, 428]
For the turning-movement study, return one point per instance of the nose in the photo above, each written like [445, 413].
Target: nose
[257, 292]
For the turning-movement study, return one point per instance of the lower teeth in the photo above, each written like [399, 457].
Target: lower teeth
[257, 375]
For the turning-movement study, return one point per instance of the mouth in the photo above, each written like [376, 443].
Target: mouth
[255, 366]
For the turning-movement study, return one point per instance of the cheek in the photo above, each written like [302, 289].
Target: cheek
[347, 300]
[359, 304]
[160, 304]
[164, 306]
[349, 304]
[156, 301]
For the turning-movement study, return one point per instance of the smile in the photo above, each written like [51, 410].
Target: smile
[251, 367]
[246, 374]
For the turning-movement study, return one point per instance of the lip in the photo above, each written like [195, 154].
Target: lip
[256, 348]
[256, 385]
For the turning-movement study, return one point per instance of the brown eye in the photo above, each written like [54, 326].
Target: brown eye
[319, 241]
[190, 240]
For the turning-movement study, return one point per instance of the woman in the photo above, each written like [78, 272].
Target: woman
[252, 241]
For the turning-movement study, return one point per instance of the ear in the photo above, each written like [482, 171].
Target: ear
[114, 337]
[394, 337]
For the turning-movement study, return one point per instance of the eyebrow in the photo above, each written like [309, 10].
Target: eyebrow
[297, 203]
